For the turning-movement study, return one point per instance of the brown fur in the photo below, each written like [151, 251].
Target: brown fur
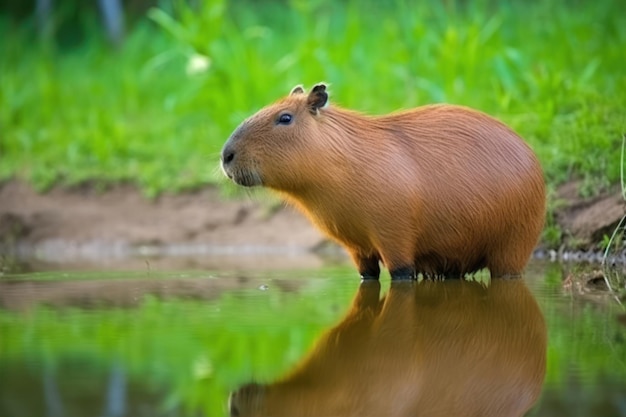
[435, 349]
[437, 190]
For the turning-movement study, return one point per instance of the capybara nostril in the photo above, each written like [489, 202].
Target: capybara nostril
[228, 156]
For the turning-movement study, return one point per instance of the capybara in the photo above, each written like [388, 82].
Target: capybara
[440, 190]
[436, 349]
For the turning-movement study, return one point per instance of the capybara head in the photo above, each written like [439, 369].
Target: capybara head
[267, 147]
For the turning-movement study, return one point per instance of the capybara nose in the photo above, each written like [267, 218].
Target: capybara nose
[227, 156]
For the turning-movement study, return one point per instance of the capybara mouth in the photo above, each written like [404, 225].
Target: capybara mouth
[245, 178]
[246, 400]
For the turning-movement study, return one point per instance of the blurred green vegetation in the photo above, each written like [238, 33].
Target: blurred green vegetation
[156, 110]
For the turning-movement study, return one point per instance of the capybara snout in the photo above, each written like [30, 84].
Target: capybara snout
[439, 190]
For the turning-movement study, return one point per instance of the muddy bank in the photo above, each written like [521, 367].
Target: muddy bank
[120, 228]
[586, 222]
[119, 225]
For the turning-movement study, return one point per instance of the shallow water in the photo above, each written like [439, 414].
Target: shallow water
[155, 343]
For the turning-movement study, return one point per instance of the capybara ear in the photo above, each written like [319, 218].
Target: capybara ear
[298, 89]
[318, 98]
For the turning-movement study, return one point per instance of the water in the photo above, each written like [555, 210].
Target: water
[306, 342]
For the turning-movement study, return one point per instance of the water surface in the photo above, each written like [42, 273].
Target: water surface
[172, 343]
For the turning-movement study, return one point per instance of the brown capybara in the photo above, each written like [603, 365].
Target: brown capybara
[436, 349]
[440, 190]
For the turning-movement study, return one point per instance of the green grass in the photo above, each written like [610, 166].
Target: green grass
[553, 70]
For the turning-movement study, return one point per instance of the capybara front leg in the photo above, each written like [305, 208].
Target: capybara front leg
[404, 273]
[368, 266]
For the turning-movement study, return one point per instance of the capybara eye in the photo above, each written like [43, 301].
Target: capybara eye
[285, 119]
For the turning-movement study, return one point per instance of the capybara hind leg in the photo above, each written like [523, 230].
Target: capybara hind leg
[508, 264]
[504, 271]
[368, 266]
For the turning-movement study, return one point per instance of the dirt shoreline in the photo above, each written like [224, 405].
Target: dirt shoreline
[119, 226]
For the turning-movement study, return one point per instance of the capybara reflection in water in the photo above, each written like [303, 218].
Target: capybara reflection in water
[435, 349]
[440, 190]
